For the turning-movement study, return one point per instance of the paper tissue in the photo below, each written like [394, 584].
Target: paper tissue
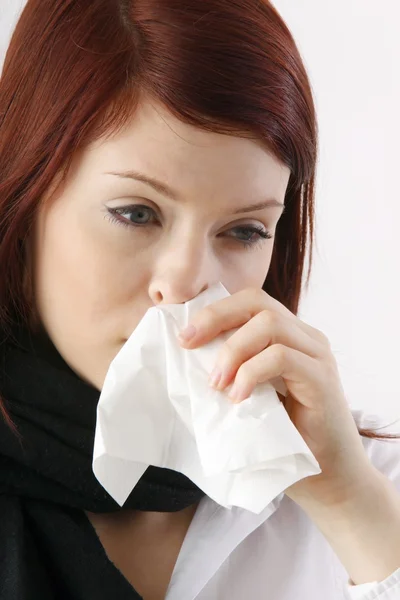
[156, 408]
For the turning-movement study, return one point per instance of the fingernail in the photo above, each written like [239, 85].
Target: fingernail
[215, 377]
[188, 333]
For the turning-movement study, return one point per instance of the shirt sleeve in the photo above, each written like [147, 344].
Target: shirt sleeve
[389, 589]
[385, 457]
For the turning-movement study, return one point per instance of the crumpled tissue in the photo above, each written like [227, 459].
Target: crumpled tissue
[156, 408]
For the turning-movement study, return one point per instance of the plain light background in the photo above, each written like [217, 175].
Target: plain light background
[351, 49]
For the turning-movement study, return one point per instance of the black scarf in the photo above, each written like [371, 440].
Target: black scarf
[48, 547]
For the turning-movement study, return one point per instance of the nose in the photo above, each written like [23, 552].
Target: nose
[169, 293]
[181, 273]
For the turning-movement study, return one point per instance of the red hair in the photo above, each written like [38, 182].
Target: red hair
[75, 71]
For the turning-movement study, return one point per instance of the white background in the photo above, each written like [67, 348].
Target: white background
[351, 49]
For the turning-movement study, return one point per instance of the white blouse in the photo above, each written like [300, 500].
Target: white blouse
[279, 554]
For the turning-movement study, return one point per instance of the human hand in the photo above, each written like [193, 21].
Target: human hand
[273, 342]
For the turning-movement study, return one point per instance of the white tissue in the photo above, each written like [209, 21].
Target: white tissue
[156, 408]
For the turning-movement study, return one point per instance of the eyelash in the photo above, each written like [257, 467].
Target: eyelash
[114, 215]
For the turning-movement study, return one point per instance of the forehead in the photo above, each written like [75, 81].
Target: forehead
[156, 142]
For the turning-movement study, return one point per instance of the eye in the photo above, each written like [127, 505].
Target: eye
[140, 215]
[250, 235]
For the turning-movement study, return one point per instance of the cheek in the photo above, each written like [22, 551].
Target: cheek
[246, 268]
[79, 285]
[82, 298]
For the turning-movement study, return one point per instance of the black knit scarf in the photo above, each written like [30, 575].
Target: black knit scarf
[48, 547]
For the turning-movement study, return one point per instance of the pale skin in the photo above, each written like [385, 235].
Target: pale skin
[94, 279]
[355, 506]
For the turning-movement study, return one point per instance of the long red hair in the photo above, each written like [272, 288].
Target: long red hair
[75, 71]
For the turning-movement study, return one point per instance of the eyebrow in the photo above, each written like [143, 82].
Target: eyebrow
[163, 188]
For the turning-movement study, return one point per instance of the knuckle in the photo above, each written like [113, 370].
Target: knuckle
[209, 313]
[260, 294]
[244, 374]
[251, 292]
[323, 338]
[229, 352]
[331, 367]
[278, 352]
[268, 318]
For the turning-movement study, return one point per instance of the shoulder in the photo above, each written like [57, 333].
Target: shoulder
[383, 454]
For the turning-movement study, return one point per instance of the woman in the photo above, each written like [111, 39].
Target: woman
[147, 151]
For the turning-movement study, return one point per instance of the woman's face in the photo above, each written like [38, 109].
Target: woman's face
[107, 247]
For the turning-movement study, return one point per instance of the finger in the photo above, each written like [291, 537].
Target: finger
[235, 310]
[231, 312]
[265, 329]
[277, 361]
